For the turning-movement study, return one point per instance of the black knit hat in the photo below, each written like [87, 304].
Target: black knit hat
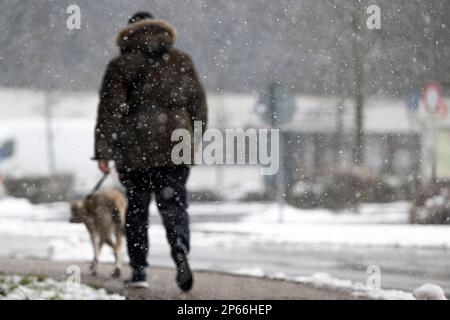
[141, 15]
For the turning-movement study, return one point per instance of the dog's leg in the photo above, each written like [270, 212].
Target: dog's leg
[97, 246]
[118, 264]
[118, 253]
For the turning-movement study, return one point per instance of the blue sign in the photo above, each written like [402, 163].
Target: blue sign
[412, 100]
[7, 149]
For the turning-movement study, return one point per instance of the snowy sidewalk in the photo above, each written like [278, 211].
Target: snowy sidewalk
[208, 285]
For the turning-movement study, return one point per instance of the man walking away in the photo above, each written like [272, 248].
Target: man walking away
[148, 91]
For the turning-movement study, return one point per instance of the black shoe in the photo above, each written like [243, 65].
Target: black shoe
[138, 280]
[184, 275]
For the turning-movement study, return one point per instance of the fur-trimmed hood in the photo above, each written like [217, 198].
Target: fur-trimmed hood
[148, 35]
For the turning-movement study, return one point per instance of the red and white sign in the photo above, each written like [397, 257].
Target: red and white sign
[433, 100]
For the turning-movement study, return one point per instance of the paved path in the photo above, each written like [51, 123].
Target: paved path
[208, 285]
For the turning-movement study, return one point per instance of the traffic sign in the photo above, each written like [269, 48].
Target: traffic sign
[7, 149]
[412, 99]
[433, 100]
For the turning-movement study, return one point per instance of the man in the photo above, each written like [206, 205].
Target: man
[149, 91]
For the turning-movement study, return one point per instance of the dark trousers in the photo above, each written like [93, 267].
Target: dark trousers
[169, 186]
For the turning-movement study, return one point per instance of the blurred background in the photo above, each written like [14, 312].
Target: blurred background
[363, 115]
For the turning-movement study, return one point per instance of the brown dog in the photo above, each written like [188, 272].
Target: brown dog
[103, 213]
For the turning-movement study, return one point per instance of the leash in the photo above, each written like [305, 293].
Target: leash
[98, 185]
[116, 213]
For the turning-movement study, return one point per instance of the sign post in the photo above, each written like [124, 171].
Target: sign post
[412, 100]
[434, 105]
[277, 108]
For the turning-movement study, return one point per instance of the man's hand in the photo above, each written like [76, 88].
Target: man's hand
[103, 165]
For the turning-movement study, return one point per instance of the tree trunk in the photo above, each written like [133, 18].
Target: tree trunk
[359, 146]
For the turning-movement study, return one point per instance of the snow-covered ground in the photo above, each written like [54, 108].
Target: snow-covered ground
[375, 225]
[257, 223]
[14, 287]
[326, 281]
[219, 229]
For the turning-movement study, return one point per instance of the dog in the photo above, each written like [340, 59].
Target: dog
[103, 213]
